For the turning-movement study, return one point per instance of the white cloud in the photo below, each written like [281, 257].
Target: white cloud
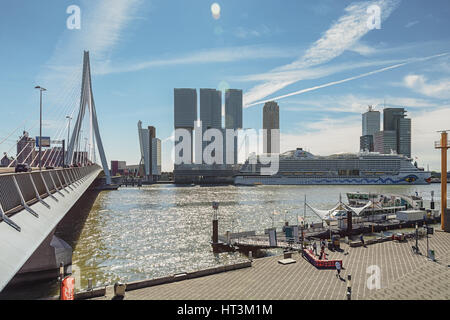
[102, 25]
[330, 136]
[245, 33]
[313, 72]
[333, 83]
[217, 55]
[412, 23]
[341, 36]
[325, 137]
[419, 83]
[356, 103]
[424, 127]
[363, 49]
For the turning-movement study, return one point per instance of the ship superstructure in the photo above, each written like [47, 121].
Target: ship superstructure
[302, 167]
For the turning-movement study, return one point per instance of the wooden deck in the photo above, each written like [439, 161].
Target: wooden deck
[403, 275]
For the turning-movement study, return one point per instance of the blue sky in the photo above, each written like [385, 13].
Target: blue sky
[141, 50]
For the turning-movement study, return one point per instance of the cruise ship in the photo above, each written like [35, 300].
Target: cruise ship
[299, 167]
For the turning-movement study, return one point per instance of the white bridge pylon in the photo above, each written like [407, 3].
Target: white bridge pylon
[87, 99]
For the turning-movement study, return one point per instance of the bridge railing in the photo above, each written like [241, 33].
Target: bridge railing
[18, 191]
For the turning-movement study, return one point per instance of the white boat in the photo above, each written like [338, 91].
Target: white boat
[363, 204]
[299, 167]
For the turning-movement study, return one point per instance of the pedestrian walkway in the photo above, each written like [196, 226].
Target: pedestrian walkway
[403, 275]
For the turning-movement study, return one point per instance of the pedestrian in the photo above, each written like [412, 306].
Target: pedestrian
[362, 239]
[322, 251]
[315, 248]
[338, 269]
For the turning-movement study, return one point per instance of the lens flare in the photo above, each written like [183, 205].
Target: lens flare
[215, 10]
[223, 86]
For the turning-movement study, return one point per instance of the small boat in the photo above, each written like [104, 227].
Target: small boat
[369, 204]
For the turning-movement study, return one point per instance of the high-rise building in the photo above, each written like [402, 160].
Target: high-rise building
[366, 143]
[26, 151]
[211, 108]
[390, 118]
[150, 152]
[370, 122]
[210, 111]
[404, 137]
[233, 109]
[271, 126]
[156, 158]
[118, 167]
[185, 113]
[151, 136]
[385, 142]
[6, 161]
[394, 119]
[233, 116]
[370, 125]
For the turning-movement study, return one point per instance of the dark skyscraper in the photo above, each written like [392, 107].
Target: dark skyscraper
[233, 116]
[394, 119]
[404, 136]
[390, 118]
[271, 125]
[185, 113]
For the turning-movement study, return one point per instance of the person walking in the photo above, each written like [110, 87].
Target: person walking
[322, 250]
[338, 269]
[362, 240]
[315, 248]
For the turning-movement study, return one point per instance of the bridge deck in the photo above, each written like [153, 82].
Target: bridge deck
[41, 217]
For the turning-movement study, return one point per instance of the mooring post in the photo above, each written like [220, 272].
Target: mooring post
[215, 236]
[215, 223]
[61, 279]
[349, 287]
[349, 222]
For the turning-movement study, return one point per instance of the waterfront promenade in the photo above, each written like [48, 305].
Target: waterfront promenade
[404, 275]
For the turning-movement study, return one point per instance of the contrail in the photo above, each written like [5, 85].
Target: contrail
[348, 79]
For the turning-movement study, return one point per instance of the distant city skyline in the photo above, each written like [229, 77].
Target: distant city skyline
[320, 57]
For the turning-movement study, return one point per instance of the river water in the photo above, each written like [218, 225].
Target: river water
[140, 233]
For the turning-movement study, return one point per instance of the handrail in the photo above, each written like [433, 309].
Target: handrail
[20, 190]
[438, 144]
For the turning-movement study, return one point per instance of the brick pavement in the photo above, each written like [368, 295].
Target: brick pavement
[404, 275]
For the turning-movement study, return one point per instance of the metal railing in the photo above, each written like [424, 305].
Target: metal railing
[438, 144]
[18, 191]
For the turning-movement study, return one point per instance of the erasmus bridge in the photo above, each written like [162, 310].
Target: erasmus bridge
[32, 204]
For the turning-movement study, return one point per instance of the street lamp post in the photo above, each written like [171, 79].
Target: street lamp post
[40, 125]
[68, 134]
[85, 154]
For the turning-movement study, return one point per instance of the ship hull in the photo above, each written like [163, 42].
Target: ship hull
[401, 179]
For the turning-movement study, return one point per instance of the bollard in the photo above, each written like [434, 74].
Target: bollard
[60, 279]
[215, 236]
[119, 290]
[349, 287]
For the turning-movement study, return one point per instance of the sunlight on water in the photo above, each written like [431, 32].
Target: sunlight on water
[139, 233]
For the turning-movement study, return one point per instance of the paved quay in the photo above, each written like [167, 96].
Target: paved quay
[403, 275]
